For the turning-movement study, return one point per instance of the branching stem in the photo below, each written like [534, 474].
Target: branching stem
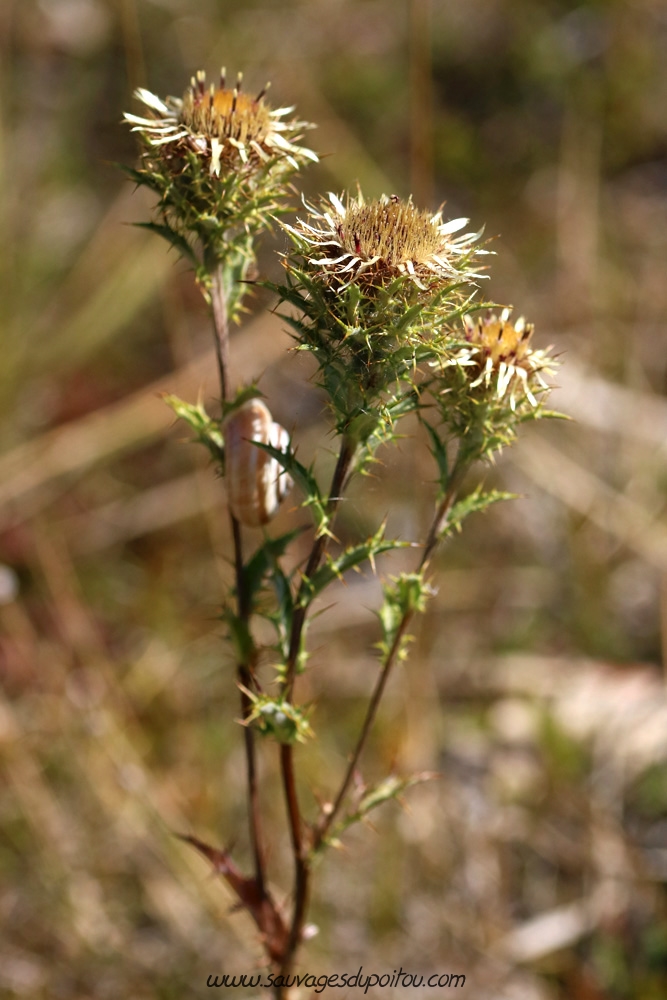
[329, 814]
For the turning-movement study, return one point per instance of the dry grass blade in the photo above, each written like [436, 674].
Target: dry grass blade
[583, 491]
[34, 471]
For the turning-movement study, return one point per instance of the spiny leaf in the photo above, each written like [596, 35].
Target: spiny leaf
[474, 503]
[205, 428]
[283, 615]
[306, 482]
[350, 558]
[542, 414]
[409, 316]
[404, 596]
[263, 570]
[141, 178]
[391, 787]
[171, 236]
[239, 634]
[439, 452]
[243, 395]
[264, 559]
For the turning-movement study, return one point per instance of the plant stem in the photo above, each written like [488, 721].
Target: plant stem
[220, 327]
[301, 859]
[329, 814]
[244, 670]
[301, 862]
[459, 471]
[345, 456]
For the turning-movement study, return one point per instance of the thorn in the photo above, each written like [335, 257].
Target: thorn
[263, 91]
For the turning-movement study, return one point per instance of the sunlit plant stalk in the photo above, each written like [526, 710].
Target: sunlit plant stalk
[381, 293]
[220, 162]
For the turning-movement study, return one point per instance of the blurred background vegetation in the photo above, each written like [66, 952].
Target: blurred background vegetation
[537, 863]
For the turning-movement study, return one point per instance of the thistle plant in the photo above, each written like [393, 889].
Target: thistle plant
[383, 295]
[220, 162]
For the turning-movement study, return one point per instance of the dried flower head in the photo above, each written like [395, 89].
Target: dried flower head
[225, 127]
[377, 241]
[500, 351]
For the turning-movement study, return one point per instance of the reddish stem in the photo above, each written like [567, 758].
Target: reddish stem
[299, 849]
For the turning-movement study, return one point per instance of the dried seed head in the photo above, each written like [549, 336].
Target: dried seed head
[394, 231]
[377, 241]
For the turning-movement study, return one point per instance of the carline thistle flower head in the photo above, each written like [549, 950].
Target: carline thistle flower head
[377, 241]
[500, 351]
[225, 127]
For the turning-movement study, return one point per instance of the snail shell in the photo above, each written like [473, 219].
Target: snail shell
[256, 482]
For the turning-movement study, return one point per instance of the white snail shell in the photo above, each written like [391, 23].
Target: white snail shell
[256, 482]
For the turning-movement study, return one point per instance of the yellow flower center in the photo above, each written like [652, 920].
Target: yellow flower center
[226, 114]
[501, 340]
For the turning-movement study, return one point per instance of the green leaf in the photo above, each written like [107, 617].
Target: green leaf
[263, 570]
[171, 236]
[142, 177]
[404, 596]
[283, 615]
[543, 414]
[243, 395]
[409, 316]
[381, 423]
[306, 482]
[239, 634]
[474, 503]
[439, 452]
[264, 559]
[391, 787]
[352, 557]
[207, 430]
